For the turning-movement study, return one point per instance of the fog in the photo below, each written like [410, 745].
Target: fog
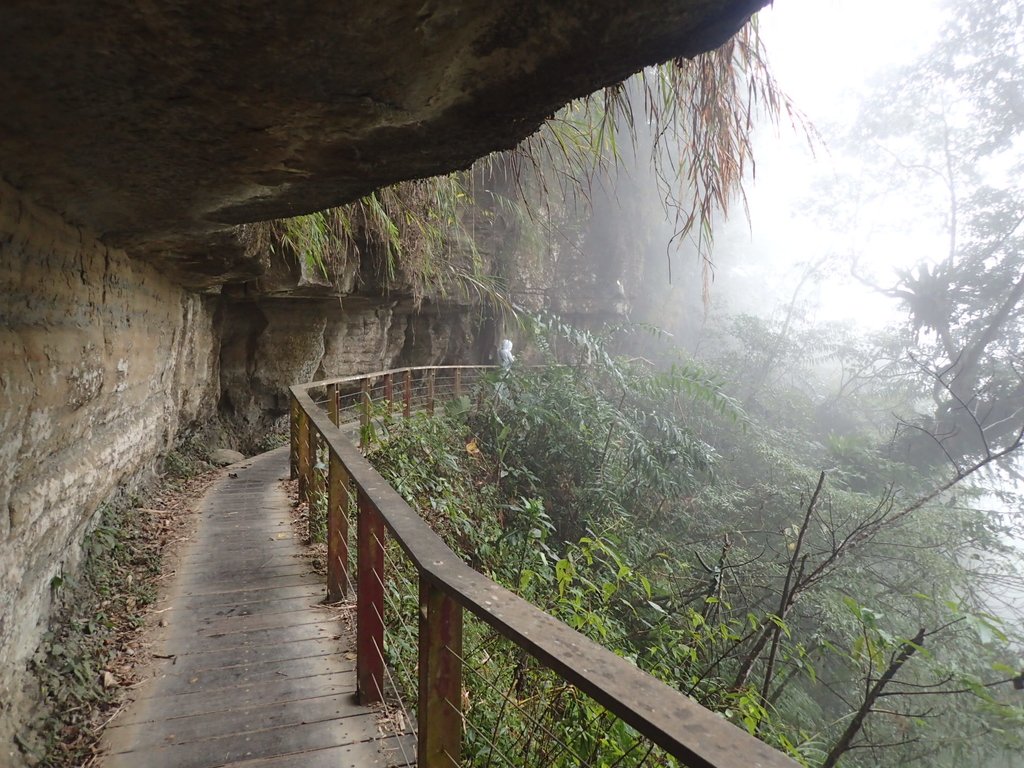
[882, 258]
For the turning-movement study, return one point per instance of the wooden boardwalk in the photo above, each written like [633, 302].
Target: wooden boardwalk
[249, 671]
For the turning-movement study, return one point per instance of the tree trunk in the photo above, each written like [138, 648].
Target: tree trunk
[843, 744]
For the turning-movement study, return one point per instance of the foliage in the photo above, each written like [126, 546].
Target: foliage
[409, 236]
[832, 614]
[73, 663]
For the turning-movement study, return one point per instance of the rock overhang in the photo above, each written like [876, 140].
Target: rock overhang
[160, 126]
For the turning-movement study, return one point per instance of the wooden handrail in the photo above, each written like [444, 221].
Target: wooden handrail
[683, 728]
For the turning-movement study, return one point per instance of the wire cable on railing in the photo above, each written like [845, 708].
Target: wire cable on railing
[490, 742]
[384, 704]
[400, 614]
[397, 609]
[532, 720]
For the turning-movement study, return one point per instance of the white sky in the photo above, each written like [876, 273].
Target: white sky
[825, 53]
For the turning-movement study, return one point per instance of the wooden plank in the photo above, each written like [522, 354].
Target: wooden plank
[295, 649]
[214, 627]
[271, 742]
[148, 709]
[280, 557]
[259, 608]
[248, 585]
[178, 649]
[184, 643]
[274, 554]
[224, 570]
[240, 597]
[230, 527]
[207, 681]
[182, 730]
[392, 752]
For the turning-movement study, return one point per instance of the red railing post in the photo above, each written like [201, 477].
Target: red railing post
[430, 391]
[440, 684]
[407, 393]
[304, 461]
[369, 602]
[332, 403]
[293, 451]
[338, 489]
[318, 472]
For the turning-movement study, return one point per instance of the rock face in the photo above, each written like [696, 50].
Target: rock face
[270, 344]
[160, 125]
[102, 362]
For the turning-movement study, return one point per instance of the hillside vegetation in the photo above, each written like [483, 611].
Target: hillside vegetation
[797, 578]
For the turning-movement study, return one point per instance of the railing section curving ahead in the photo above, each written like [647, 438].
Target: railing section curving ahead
[682, 728]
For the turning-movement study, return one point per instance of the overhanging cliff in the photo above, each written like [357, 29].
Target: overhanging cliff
[158, 126]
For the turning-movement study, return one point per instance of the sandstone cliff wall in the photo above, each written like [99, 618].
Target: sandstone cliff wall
[102, 362]
[270, 343]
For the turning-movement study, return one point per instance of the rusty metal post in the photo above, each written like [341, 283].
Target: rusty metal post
[430, 390]
[293, 450]
[369, 602]
[458, 382]
[338, 485]
[440, 673]
[407, 393]
[332, 403]
[364, 412]
[389, 390]
[304, 460]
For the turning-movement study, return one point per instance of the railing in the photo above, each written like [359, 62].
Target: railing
[694, 735]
